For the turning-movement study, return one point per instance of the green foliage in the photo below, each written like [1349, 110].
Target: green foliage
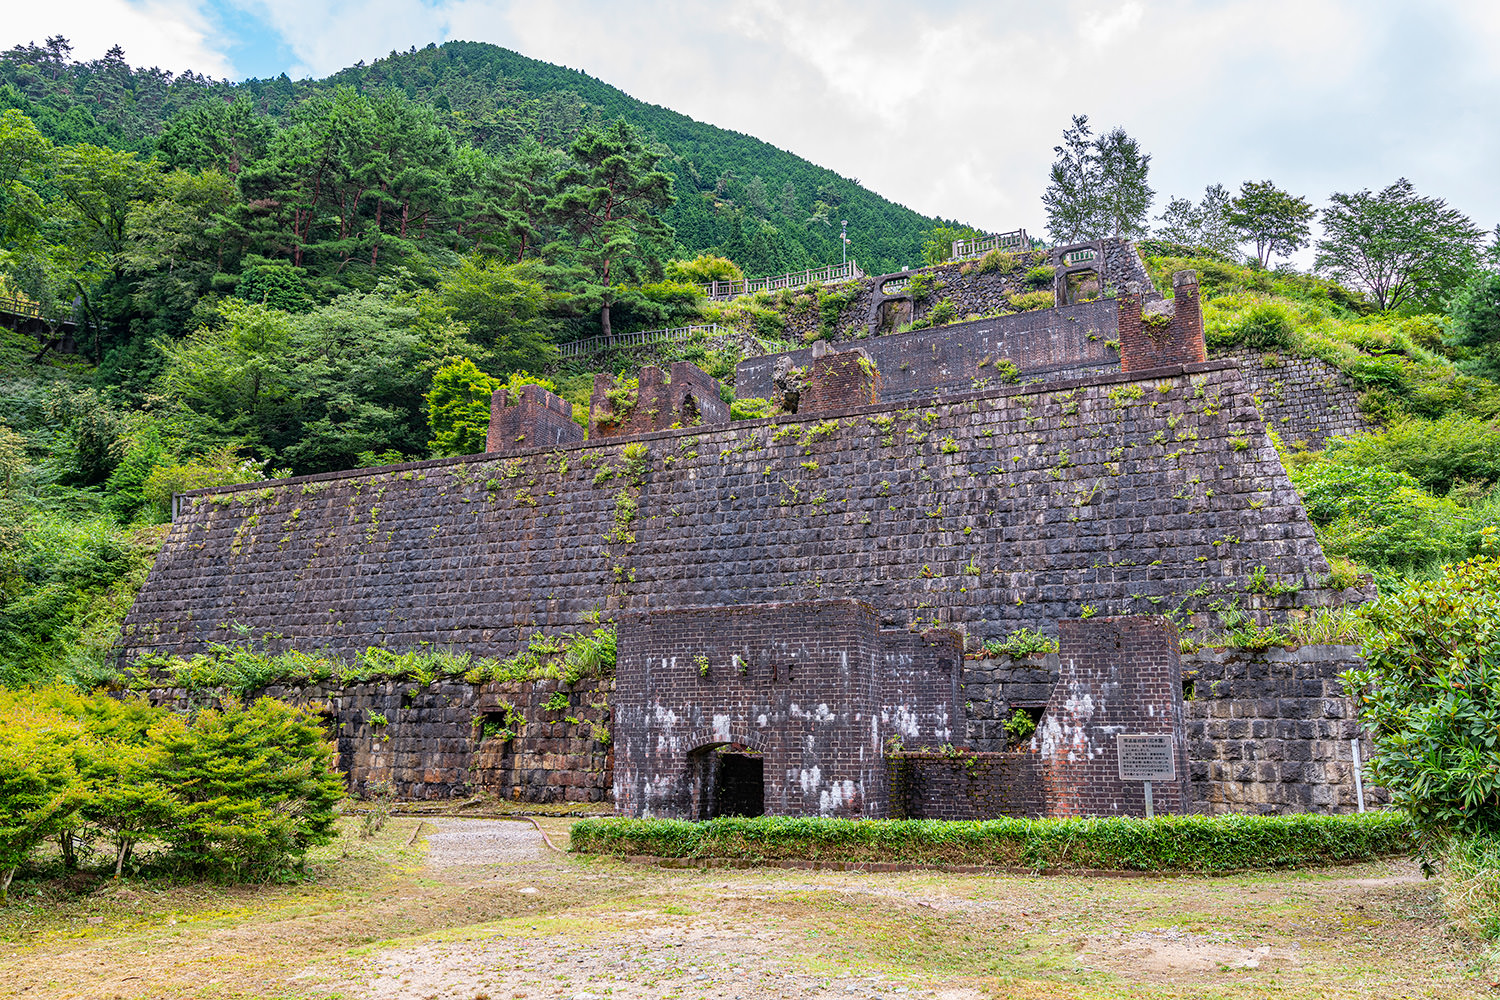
[704, 268]
[1430, 696]
[243, 791]
[1474, 323]
[937, 242]
[1275, 221]
[1438, 453]
[255, 787]
[1204, 228]
[39, 784]
[1019, 727]
[1097, 186]
[1263, 327]
[1471, 887]
[1029, 301]
[752, 408]
[458, 407]
[1397, 246]
[1023, 642]
[64, 590]
[1163, 844]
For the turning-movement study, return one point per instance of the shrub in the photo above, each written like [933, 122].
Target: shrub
[1023, 642]
[1163, 844]
[1430, 695]
[40, 789]
[751, 408]
[943, 313]
[1039, 276]
[1437, 453]
[255, 786]
[1028, 301]
[1267, 327]
[1384, 519]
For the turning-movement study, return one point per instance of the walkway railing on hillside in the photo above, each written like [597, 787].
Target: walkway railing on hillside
[642, 338]
[18, 305]
[1016, 239]
[720, 290]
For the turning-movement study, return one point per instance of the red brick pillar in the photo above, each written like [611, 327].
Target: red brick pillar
[1162, 332]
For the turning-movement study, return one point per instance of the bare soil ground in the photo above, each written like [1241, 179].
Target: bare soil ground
[481, 910]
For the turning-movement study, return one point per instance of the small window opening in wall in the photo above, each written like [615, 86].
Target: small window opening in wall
[1081, 286]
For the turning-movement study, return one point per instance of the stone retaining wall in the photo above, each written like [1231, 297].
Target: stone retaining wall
[428, 742]
[1305, 400]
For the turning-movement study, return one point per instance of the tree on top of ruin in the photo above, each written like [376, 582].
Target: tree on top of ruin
[1097, 186]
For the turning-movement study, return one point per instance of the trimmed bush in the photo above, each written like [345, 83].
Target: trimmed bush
[1163, 844]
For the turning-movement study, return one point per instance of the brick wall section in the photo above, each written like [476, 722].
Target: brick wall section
[1118, 675]
[1163, 332]
[1067, 342]
[919, 688]
[797, 681]
[838, 380]
[532, 417]
[965, 786]
[685, 397]
[1305, 400]
[431, 748]
[1269, 730]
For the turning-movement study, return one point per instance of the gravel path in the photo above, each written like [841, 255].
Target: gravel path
[464, 842]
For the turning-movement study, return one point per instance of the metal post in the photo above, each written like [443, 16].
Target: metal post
[1359, 784]
[1149, 812]
[844, 238]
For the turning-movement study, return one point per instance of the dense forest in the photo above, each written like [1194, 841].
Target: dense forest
[481, 107]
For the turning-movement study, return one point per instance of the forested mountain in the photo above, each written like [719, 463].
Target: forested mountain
[767, 209]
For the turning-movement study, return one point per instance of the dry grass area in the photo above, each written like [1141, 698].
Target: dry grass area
[478, 910]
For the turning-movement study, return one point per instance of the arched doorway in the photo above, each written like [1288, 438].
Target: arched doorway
[728, 779]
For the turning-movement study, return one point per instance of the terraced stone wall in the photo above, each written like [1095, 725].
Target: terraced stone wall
[430, 742]
[988, 512]
[1305, 400]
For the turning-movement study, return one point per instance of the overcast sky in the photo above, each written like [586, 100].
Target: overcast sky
[953, 107]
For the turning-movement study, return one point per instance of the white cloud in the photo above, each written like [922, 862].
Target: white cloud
[172, 34]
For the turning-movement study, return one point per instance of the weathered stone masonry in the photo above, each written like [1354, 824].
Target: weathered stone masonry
[812, 687]
[999, 509]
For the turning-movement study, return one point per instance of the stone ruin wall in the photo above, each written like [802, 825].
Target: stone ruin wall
[1002, 509]
[1268, 730]
[972, 294]
[432, 746]
[1305, 400]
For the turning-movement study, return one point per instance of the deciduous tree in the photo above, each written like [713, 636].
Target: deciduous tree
[1275, 221]
[1401, 248]
[1097, 185]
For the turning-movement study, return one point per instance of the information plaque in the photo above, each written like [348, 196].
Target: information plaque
[1146, 758]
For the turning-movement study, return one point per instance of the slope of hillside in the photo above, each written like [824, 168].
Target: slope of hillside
[768, 209]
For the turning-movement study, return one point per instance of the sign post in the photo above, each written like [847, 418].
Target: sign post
[1146, 758]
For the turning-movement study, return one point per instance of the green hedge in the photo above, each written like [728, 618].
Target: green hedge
[1166, 843]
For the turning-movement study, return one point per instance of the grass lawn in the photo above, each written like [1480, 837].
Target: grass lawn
[474, 910]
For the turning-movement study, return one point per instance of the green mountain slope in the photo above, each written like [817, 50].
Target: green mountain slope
[768, 209]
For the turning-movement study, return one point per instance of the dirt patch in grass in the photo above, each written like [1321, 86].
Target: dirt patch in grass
[481, 909]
